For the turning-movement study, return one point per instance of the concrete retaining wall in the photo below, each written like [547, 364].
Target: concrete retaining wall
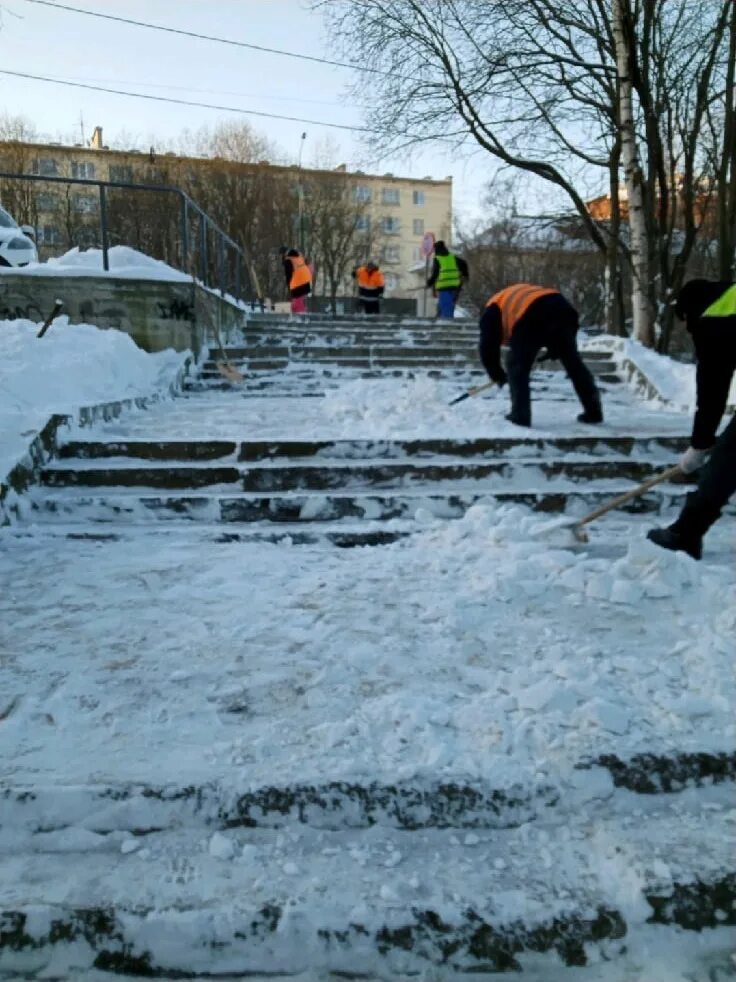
[157, 314]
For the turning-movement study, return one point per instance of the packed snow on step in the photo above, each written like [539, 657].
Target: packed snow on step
[124, 263]
[73, 365]
[395, 408]
[473, 652]
[474, 647]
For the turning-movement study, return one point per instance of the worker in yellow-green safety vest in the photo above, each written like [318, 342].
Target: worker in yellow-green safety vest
[709, 309]
[449, 272]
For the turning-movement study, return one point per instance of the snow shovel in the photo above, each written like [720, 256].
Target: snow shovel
[471, 392]
[576, 526]
[58, 304]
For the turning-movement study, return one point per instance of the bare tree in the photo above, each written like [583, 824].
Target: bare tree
[16, 157]
[625, 52]
[535, 84]
[339, 229]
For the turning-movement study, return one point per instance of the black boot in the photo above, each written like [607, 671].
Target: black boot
[676, 541]
[517, 422]
[591, 416]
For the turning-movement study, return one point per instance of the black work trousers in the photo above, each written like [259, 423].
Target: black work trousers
[552, 323]
[714, 339]
[716, 484]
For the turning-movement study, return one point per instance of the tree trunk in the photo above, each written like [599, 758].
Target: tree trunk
[643, 327]
[614, 310]
[726, 190]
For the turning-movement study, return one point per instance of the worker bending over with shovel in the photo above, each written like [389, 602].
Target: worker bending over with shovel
[528, 318]
[709, 309]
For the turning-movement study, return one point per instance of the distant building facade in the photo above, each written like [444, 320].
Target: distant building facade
[397, 211]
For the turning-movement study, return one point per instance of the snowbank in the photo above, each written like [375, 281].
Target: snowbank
[125, 263]
[73, 365]
[674, 380]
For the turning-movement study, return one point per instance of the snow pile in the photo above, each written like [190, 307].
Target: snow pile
[124, 263]
[674, 380]
[73, 365]
[416, 405]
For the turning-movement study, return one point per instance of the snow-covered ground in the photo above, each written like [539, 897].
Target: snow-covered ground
[155, 683]
[73, 365]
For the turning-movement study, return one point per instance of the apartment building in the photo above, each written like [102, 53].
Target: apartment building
[398, 211]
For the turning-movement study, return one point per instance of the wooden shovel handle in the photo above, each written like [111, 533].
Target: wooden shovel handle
[50, 319]
[472, 392]
[630, 495]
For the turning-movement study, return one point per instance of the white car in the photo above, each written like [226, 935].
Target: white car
[17, 248]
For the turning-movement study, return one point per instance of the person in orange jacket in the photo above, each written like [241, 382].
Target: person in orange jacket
[371, 284]
[298, 278]
[528, 318]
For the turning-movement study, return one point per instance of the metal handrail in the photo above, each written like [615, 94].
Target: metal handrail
[187, 206]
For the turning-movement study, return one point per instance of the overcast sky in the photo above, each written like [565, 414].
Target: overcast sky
[66, 45]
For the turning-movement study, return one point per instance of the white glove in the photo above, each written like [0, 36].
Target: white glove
[692, 459]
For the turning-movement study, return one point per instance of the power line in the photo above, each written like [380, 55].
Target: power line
[185, 102]
[209, 37]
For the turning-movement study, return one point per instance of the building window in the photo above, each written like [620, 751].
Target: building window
[391, 254]
[45, 167]
[418, 226]
[390, 225]
[47, 201]
[362, 193]
[49, 235]
[363, 223]
[392, 281]
[418, 197]
[122, 173]
[390, 196]
[416, 254]
[85, 204]
[83, 169]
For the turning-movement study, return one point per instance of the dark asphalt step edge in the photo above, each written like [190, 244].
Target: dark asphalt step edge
[109, 937]
[348, 805]
[318, 507]
[348, 450]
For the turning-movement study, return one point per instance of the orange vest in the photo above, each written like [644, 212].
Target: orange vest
[372, 280]
[299, 272]
[514, 301]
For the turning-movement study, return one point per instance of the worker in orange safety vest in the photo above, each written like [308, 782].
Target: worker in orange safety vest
[298, 278]
[527, 318]
[371, 285]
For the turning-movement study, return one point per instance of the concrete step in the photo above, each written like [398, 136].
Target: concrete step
[348, 339]
[341, 805]
[346, 358]
[252, 450]
[537, 902]
[282, 384]
[331, 475]
[314, 352]
[120, 505]
[341, 534]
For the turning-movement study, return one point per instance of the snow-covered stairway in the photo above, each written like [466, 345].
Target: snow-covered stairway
[311, 445]
[231, 750]
[308, 487]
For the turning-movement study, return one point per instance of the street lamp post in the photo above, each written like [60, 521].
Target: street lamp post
[301, 195]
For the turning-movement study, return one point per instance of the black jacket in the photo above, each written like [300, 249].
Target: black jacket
[538, 327]
[714, 340]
